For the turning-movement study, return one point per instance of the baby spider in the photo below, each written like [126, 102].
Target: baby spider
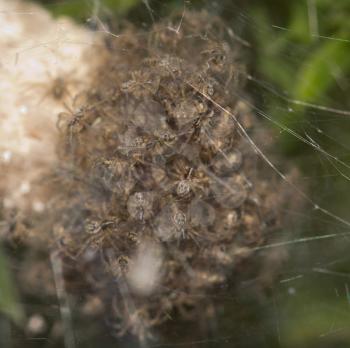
[74, 121]
[170, 224]
[72, 124]
[140, 206]
[98, 233]
[58, 88]
[186, 179]
[118, 266]
[162, 142]
[141, 84]
[174, 223]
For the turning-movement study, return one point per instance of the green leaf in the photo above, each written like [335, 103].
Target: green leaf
[80, 9]
[298, 29]
[318, 74]
[270, 62]
[120, 6]
[9, 304]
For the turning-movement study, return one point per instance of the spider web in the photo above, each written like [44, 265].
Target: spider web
[313, 280]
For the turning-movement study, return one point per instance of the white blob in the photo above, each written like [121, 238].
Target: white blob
[36, 324]
[6, 156]
[23, 109]
[24, 188]
[291, 291]
[145, 270]
[38, 206]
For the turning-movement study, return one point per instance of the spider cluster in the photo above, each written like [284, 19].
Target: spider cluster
[150, 159]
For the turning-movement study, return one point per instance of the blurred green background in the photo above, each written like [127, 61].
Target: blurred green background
[299, 64]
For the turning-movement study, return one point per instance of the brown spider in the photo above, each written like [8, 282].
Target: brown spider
[74, 121]
[118, 266]
[140, 206]
[133, 318]
[186, 180]
[98, 233]
[141, 84]
[174, 222]
[57, 88]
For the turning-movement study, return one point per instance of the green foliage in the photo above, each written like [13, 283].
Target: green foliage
[9, 304]
[312, 67]
[82, 9]
[319, 73]
[319, 55]
[307, 66]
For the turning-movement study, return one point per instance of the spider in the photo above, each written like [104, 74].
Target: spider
[118, 266]
[140, 206]
[76, 120]
[162, 142]
[170, 223]
[217, 132]
[98, 233]
[114, 174]
[133, 144]
[71, 123]
[186, 179]
[69, 120]
[133, 318]
[58, 88]
[174, 224]
[141, 84]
